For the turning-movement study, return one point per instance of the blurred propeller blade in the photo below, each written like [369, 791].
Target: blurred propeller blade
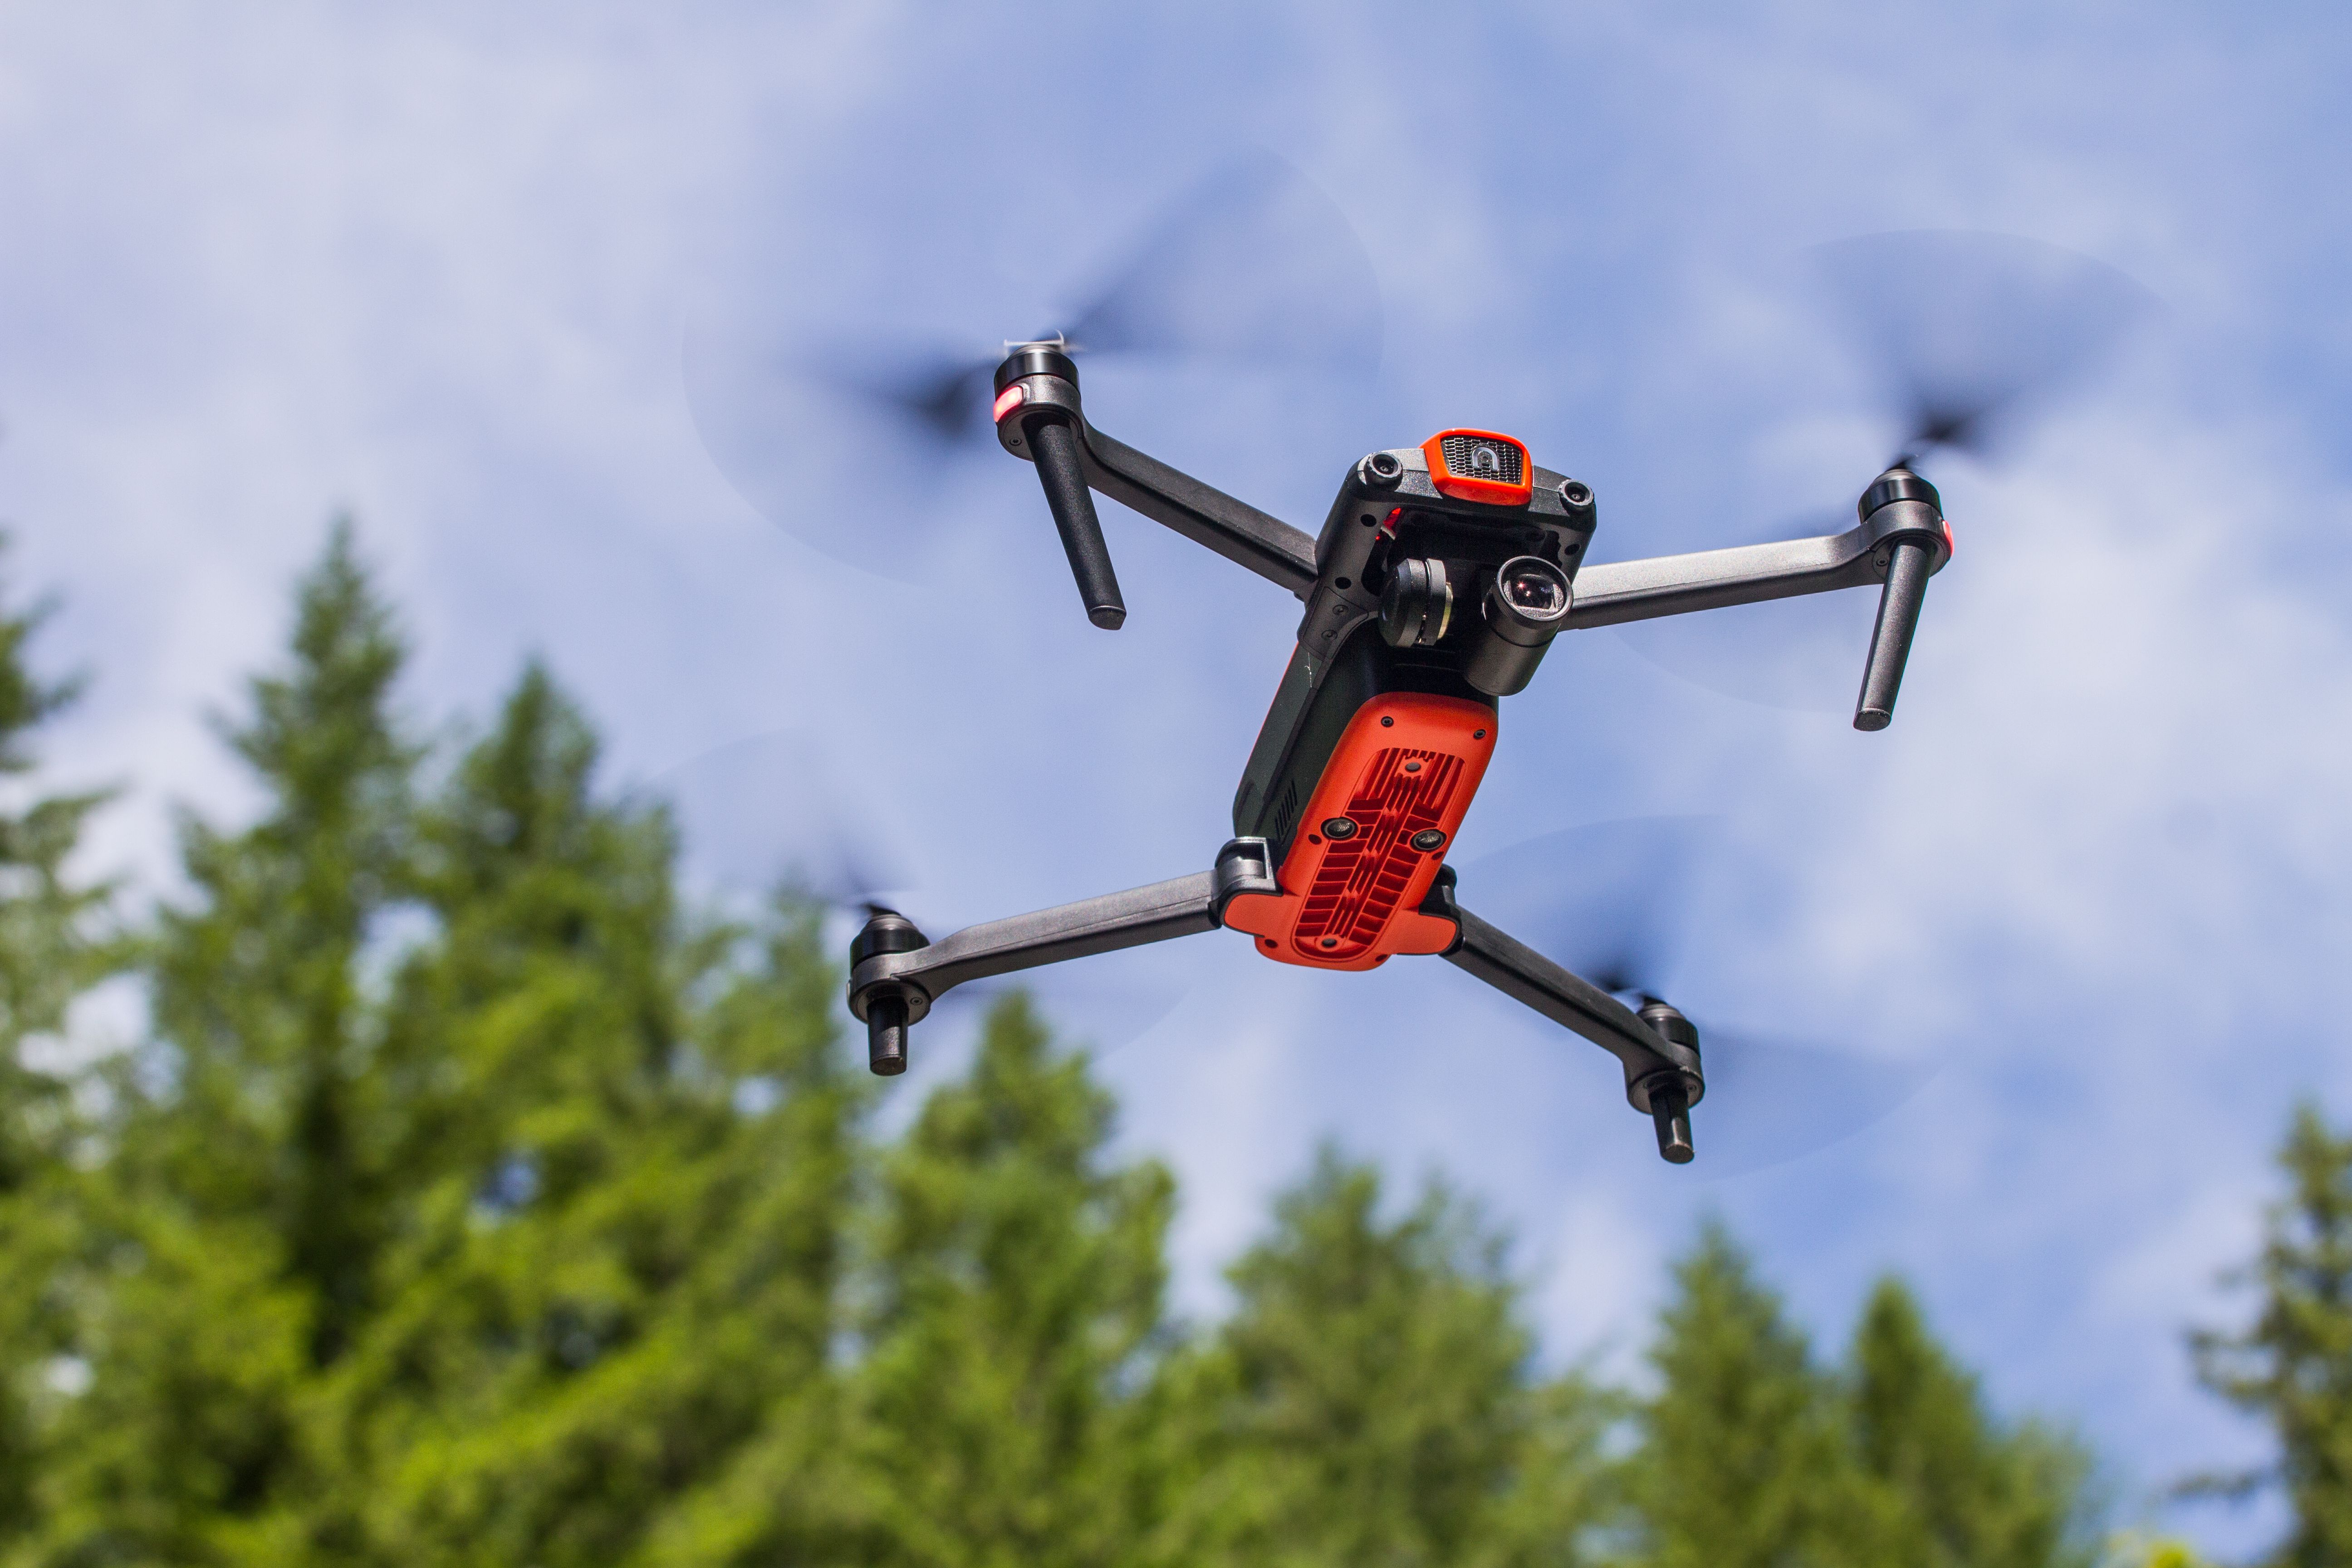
[1606, 900]
[1973, 333]
[1803, 655]
[1969, 336]
[843, 450]
[843, 437]
[1773, 1099]
[764, 814]
[1612, 902]
[1258, 266]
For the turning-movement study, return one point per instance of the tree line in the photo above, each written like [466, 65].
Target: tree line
[470, 1197]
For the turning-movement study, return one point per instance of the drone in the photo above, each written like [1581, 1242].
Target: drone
[1440, 578]
[1441, 574]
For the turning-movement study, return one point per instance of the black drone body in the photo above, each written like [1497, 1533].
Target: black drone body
[1441, 574]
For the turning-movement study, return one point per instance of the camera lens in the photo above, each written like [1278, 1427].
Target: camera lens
[1526, 606]
[1534, 588]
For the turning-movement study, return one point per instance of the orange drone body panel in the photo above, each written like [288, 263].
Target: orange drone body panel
[1482, 466]
[1405, 768]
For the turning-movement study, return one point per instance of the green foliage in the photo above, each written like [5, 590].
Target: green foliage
[1755, 1453]
[1372, 1399]
[1015, 1297]
[613, 1267]
[1744, 1461]
[235, 1229]
[48, 953]
[2294, 1365]
[1952, 1486]
[475, 1203]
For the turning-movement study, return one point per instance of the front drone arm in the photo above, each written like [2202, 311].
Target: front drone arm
[1901, 542]
[1038, 418]
[1662, 1078]
[1611, 592]
[897, 974]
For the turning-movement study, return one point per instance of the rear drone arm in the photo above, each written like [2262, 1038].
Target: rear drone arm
[1234, 530]
[897, 974]
[1662, 1077]
[1038, 418]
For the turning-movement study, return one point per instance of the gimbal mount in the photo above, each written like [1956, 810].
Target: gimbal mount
[1381, 728]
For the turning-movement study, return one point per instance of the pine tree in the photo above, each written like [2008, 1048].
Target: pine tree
[48, 954]
[2292, 1366]
[1744, 1461]
[236, 1223]
[1015, 1311]
[1372, 1400]
[1954, 1487]
[626, 1190]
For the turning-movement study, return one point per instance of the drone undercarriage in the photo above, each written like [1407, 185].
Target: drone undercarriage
[1441, 576]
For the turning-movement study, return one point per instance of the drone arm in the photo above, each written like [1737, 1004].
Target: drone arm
[1181, 906]
[1611, 593]
[1234, 530]
[1661, 1078]
[891, 990]
[1037, 389]
[1901, 541]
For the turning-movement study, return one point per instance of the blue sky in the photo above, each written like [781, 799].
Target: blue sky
[435, 268]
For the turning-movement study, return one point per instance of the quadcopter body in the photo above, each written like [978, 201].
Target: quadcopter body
[1441, 574]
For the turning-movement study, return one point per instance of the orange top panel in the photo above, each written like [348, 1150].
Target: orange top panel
[1484, 465]
[1376, 828]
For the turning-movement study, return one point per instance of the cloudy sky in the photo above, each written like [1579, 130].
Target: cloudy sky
[260, 266]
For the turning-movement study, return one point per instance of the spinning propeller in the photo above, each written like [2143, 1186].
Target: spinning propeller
[1968, 340]
[841, 437]
[1612, 901]
[760, 816]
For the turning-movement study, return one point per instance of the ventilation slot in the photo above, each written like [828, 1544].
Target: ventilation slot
[1286, 817]
[1473, 458]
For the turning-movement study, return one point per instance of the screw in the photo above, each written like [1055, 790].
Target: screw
[1386, 721]
[1412, 767]
[1477, 734]
[1338, 827]
[1429, 839]
[1331, 941]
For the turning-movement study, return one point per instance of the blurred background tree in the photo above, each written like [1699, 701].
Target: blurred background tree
[1374, 1398]
[50, 951]
[472, 1199]
[2292, 1366]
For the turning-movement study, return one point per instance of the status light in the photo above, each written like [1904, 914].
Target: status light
[1011, 398]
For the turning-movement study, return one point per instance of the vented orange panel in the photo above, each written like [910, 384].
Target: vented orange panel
[1481, 466]
[1407, 765]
